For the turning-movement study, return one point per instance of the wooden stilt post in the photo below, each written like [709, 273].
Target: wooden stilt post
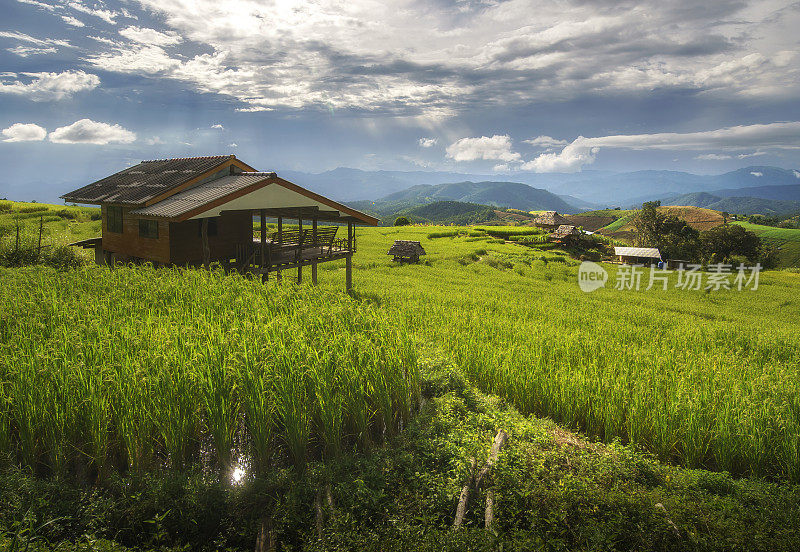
[299, 254]
[314, 260]
[263, 244]
[348, 264]
[280, 241]
[206, 249]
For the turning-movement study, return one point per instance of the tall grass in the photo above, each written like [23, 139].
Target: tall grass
[701, 379]
[136, 368]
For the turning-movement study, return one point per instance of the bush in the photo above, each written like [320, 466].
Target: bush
[402, 221]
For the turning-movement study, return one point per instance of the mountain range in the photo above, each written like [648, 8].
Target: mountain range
[585, 190]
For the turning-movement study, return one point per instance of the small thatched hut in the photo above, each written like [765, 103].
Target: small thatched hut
[405, 250]
[550, 220]
[565, 233]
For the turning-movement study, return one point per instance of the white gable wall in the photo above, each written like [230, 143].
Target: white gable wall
[271, 196]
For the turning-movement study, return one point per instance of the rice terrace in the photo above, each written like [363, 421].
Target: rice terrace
[500, 276]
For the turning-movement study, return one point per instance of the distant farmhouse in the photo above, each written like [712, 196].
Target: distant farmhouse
[637, 255]
[198, 210]
[550, 220]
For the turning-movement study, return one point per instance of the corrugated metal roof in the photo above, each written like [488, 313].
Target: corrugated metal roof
[202, 194]
[649, 252]
[140, 183]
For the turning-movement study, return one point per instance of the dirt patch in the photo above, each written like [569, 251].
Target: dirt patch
[590, 223]
[565, 438]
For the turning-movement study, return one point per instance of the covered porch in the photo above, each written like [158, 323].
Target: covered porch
[306, 243]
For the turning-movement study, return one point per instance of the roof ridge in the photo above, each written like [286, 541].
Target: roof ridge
[256, 173]
[229, 156]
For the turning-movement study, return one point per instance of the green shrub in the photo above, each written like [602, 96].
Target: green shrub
[402, 221]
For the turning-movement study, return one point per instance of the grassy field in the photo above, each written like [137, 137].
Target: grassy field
[136, 370]
[692, 377]
[111, 370]
[787, 240]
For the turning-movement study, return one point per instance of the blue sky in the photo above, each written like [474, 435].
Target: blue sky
[87, 88]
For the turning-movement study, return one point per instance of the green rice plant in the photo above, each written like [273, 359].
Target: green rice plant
[218, 389]
[258, 406]
[443, 234]
[291, 400]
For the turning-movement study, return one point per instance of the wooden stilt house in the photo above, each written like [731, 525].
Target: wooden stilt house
[199, 210]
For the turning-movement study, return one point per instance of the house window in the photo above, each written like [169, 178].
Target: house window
[212, 227]
[114, 219]
[148, 229]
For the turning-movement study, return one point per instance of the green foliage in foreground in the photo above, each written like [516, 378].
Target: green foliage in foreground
[110, 370]
[552, 491]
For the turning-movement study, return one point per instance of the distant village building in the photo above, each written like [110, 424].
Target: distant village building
[198, 210]
[565, 233]
[404, 250]
[550, 220]
[638, 255]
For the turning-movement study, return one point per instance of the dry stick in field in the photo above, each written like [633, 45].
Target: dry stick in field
[265, 541]
[318, 508]
[499, 440]
[462, 501]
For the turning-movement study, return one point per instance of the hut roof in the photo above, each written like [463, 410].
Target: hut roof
[550, 218]
[200, 187]
[647, 252]
[405, 248]
[148, 180]
[565, 230]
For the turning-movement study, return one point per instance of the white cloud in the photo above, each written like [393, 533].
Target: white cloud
[50, 86]
[754, 154]
[421, 59]
[69, 20]
[218, 126]
[582, 150]
[24, 132]
[154, 141]
[713, 157]
[25, 51]
[151, 37]
[757, 174]
[497, 147]
[571, 159]
[503, 167]
[427, 142]
[87, 131]
[106, 15]
[148, 60]
[796, 174]
[233, 145]
[15, 35]
[545, 142]
[44, 6]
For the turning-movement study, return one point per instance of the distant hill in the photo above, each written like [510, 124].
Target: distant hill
[782, 192]
[734, 204]
[594, 188]
[498, 194]
[437, 212]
